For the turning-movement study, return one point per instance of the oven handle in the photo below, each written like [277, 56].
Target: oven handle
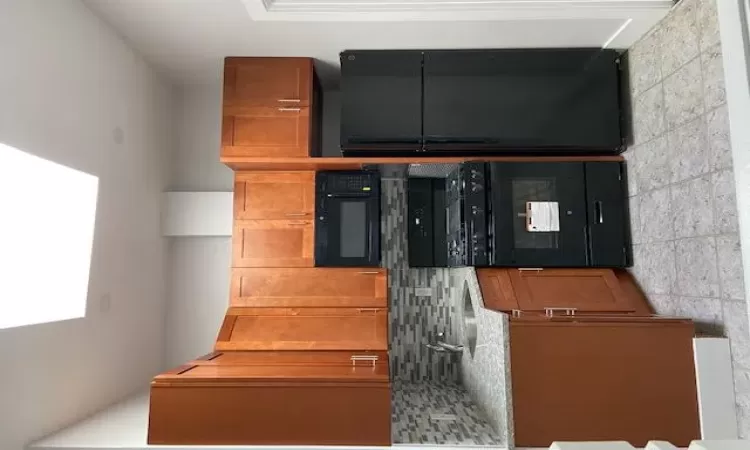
[349, 195]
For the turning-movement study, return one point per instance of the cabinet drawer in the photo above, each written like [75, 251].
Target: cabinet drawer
[282, 131]
[273, 243]
[309, 287]
[253, 81]
[304, 329]
[274, 195]
[271, 413]
[534, 290]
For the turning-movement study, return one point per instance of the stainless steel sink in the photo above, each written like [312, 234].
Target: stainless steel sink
[470, 321]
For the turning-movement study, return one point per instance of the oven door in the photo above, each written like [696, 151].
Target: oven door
[347, 232]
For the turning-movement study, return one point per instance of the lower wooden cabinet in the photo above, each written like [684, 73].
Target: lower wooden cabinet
[206, 403]
[600, 379]
[304, 329]
[273, 243]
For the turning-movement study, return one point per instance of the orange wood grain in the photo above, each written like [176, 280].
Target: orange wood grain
[350, 163]
[274, 195]
[309, 287]
[273, 243]
[307, 329]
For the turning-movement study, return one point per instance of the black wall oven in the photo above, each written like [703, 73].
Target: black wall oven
[347, 210]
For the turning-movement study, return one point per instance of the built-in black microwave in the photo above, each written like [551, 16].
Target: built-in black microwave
[347, 218]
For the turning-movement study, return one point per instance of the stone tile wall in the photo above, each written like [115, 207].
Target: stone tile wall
[681, 183]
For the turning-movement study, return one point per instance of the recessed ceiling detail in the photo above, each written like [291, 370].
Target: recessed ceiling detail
[454, 10]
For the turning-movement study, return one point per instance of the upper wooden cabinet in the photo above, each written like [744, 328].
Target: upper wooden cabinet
[309, 287]
[277, 82]
[274, 195]
[271, 108]
[273, 243]
[541, 290]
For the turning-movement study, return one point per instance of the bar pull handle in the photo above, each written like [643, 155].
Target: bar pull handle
[530, 269]
[288, 109]
[368, 310]
[288, 100]
[368, 273]
[370, 358]
[296, 214]
[299, 222]
[550, 312]
[598, 212]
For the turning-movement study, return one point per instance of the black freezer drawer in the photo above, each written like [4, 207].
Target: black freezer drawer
[381, 99]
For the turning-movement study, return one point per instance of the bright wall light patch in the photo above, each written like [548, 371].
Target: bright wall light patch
[47, 219]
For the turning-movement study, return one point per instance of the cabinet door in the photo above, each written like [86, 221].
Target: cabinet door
[314, 287]
[606, 195]
[602, 381]
[381, 99]
[267, 81]
[561, 184]
[586, 290]
[282, 131]
[274, 195]
[304, 329]
[557, 99]
[273, 243]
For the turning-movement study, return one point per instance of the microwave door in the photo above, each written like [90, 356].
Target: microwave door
[352, 240]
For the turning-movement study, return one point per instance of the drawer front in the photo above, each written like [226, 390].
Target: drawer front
[274, 195]
[309, 287]
[304, 329]
[273, 243]
[348, 358]
[266, 132]
[253, 81]
[241, 414]
[587, 290]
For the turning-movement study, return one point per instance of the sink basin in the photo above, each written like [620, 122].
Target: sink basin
[470, 321]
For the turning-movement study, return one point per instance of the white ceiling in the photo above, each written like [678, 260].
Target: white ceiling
[188, 39]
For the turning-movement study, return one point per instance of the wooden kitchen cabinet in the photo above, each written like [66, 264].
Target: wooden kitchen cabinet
[309, 287]
[600, 379]
[282, 131]
[313, 401]
[304, 329]
[274, 195]
[273, 243]
[271, 108]
[254, 81]
[583, 290]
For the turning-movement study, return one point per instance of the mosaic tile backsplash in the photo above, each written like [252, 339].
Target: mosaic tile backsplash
[420, 306]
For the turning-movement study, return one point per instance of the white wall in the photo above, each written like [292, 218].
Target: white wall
[199, 266]
[73, 92]
[198, 282]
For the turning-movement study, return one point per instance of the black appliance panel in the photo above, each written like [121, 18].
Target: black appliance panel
[515, 184]
[515, 99]
[347, 210]
[426, 218]
[467, 216]
[606, 196]
[381, 100]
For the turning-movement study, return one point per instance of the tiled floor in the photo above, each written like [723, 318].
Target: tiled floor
[438, 414]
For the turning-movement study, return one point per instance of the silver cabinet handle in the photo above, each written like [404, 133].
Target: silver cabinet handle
[368, 273]
[371, 358]
[530, 269]
[369, 310]
[296, 214]
[288, 100]
[549, 312]
[299, 222]
[289, 109]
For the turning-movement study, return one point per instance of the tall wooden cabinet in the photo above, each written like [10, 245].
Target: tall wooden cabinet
[271, 108]
[302, 355]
